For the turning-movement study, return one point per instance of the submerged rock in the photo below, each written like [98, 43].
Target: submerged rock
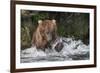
[59, 47]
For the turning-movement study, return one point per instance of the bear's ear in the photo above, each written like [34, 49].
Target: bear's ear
[54, 21]
[39, 21]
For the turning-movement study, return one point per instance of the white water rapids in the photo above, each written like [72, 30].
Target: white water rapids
[72, 50]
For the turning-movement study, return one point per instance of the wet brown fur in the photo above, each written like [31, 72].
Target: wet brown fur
[40, 38]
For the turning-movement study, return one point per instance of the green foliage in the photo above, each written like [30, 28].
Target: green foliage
[25, 37]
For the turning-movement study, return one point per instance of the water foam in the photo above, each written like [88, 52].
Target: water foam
[72, 50]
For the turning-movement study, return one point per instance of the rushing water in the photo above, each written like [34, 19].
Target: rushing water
[72, 50]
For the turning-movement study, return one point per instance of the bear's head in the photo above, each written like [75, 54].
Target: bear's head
[47, 29]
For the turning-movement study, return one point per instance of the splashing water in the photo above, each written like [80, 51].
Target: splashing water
[72, 50]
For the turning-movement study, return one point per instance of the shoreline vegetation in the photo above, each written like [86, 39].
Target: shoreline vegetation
[69, 25]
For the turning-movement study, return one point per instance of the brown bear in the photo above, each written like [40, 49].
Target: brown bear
[45, 33]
